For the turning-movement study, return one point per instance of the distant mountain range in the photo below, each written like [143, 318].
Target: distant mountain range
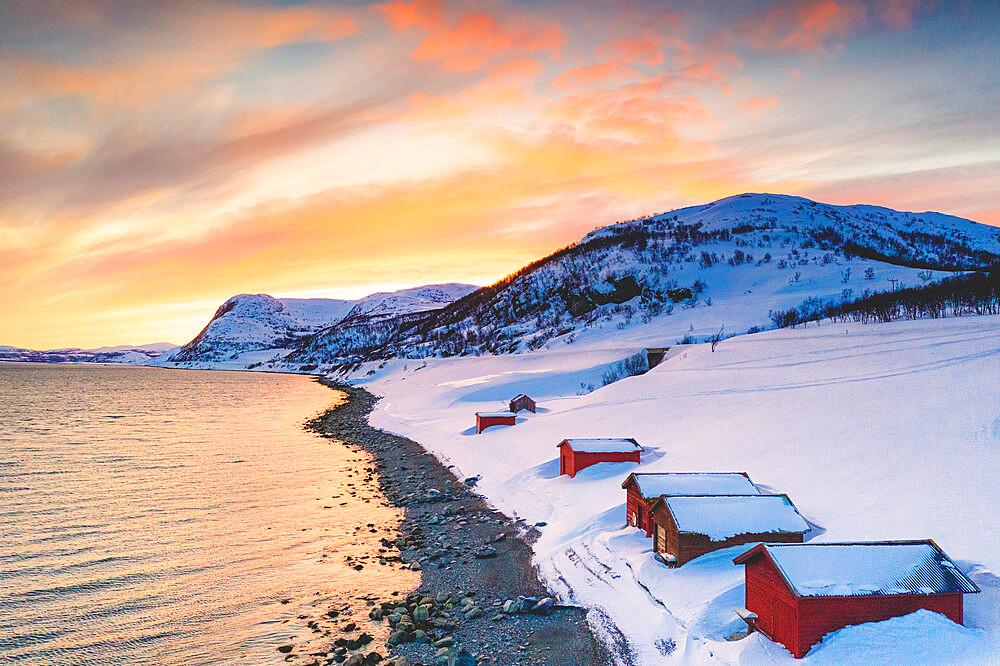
[249, 326]
[688, 274]
[126, 354]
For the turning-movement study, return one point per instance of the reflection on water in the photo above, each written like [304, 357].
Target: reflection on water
[156, 516]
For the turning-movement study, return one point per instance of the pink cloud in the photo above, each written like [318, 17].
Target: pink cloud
[802, 25]
[628, 50]
[898, 14]
[756, 106]
[467, 42]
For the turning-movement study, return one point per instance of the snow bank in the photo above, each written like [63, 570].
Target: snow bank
[922, 638]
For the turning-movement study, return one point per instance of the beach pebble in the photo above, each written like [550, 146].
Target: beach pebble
[543, 607]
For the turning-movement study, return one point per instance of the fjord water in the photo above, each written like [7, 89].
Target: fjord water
[161, 517]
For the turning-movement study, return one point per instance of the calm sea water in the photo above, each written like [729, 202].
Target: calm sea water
[160, 517]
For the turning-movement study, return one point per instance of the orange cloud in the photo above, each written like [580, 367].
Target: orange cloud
[627, 50]
[469, 41]
[182, 48]
[802, 25]
[755, 106]
[517, 69]
[426, 14]
[505, 86]
[582, 77]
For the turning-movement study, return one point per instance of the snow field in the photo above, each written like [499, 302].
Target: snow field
[875, 432]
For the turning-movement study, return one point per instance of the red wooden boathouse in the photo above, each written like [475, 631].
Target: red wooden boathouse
[643, 488]
[521, 401]
[689, 526]
[576, 454]
[486, 419]
[801, 592]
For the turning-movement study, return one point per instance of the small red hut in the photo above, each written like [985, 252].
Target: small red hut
[688, 526]
[801, 592]
[643, 488]
[521, 401]
[486, 419]
[575, 454]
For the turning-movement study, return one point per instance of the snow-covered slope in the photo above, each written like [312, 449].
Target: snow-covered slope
[251, 322]
[729, 263]
[407, 301]
[859, 425]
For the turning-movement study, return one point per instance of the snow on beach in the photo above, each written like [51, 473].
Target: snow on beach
[875, 432]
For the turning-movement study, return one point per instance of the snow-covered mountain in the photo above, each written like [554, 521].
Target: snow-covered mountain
[260, 323]
[692, 272]
[407, 301]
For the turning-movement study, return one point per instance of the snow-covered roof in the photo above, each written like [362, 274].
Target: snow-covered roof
[493, 414]
[519, 396]
[866, 568]
[722, 516]
[655, 484]
[602, 444]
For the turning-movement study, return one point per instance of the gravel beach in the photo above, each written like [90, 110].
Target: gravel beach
[479, 600]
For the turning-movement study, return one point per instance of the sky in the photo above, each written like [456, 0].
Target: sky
[157, 158]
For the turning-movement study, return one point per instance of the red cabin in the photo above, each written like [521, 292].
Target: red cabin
[689, 526]
[486, 419]
[521, 401]
[801, 592]
[575, 454]
[643, 488]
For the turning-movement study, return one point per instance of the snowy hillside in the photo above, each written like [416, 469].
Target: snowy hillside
[251, 322]
[406, 301]
[731, 264]
[269, 326]
[859, 425]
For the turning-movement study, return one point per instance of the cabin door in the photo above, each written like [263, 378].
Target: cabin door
[783, 623]
[660, 540]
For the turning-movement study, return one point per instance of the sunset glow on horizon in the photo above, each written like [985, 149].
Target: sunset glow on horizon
[158, 158]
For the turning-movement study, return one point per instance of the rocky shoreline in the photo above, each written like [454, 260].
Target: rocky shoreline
[480, 600]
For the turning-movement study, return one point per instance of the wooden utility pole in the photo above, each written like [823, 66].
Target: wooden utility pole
[894, 281]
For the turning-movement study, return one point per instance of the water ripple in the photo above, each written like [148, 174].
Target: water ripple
[157, 517]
